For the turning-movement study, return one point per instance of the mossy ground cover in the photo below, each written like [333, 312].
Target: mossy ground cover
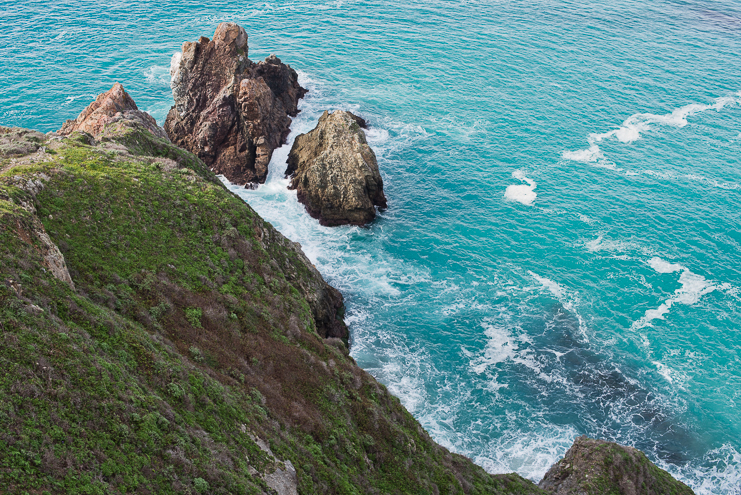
[186, 337]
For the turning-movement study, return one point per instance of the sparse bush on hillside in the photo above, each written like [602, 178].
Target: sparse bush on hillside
[194, 315]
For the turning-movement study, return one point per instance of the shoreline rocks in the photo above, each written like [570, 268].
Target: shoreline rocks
[229, 111]
[335, 172]
[596, 467]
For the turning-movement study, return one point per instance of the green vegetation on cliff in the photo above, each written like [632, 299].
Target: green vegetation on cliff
[157, 336]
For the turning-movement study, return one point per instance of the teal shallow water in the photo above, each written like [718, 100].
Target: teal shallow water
[600, 295]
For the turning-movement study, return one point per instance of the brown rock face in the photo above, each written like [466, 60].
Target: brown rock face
[597, 467]
[112, 106]
[230, 111]
[335, 172]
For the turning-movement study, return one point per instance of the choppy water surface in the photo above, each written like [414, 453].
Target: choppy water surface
[562, 250]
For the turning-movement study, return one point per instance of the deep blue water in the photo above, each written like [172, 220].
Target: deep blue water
[561, 254]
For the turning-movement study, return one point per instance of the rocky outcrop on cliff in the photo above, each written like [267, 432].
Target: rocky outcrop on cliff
[335, 172]
[229, 111]
[115, 105]
[597, 467]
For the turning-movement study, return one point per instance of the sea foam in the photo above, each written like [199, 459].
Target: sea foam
[569, 302]
[499, 348]
[522, 193]
[637, 124]
[693, 287]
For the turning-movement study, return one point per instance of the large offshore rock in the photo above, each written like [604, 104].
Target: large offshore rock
[113, 106]
[335, 172]
[229, 111]
[597, 467]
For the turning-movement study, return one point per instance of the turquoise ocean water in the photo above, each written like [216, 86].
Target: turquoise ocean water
[561, 254]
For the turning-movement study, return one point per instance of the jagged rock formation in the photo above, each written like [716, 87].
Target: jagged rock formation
[597, 467]
[335, 172]
[112, 106]
[229, 111]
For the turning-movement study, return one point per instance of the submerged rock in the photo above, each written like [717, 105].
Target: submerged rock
[113, 106]
[593, 467]
[230, 111]
[335, 172]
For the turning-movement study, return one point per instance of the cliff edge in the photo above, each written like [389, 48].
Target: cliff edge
[158, 336]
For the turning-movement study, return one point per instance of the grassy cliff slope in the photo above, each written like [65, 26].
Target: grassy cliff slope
[157, 336]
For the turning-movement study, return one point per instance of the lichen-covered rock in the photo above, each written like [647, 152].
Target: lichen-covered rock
[228, 110]
[112, 106]
[335, 172]
[597, 467]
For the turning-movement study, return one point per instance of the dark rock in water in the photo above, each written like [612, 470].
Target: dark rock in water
[229, 111]
[110, 107]
[335, 171]
[597, 467]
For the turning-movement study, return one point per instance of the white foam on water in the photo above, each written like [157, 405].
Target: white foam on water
[672, 376]
[720, 472]
[408, 387]
[499, 348]
[522, 193]
[637, 124]
[586, 219]
[589, 155]
[616, 246]
[71, 99]
[568, 301]
[158, 74]
[693, 287]
[729, 186]
[662, 266]
[462, 306]
[376, 136]
[530, 454]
